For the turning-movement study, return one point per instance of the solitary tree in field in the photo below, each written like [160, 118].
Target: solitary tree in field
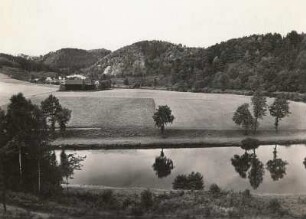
[279, 109]
[162, 117]
[259, 103]
[244, 118]
[55, 113]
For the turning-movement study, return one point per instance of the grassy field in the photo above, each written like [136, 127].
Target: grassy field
[126, 107]
[88, 111]
[134, 108]
[9, 87]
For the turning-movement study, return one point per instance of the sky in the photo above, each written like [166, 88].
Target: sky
[36, 27]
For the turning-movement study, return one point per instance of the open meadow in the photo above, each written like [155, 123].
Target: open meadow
[9, 87]
[135, 107]
[132, 109]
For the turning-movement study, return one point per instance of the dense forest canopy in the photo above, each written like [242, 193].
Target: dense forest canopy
[272, 61]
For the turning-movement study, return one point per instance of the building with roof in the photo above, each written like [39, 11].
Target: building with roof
[78, 82]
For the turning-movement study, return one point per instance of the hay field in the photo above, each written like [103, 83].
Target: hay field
[192, 110]
[135, 107]
[89, 111]
[9, 87]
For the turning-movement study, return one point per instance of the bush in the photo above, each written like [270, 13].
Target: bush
[214, 189]
[250, 143]
[137, 211]
[193, 181]
[246, 193]
[274, 205]
[108, 200]
[146, 199]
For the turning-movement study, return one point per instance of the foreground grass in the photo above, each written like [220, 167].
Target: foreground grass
[126, 203]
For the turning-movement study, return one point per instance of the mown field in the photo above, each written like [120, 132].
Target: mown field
[126, 107]
[9, 86]
[134, 108]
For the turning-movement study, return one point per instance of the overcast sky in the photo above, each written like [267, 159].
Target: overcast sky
[38, 26]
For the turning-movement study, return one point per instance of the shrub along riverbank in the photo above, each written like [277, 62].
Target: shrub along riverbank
[77, 202]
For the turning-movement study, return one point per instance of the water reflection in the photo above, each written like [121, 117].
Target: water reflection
[257, 171]
[276, 166]
[249, 163]
[242, 163]
[162, 165]
[229, 167]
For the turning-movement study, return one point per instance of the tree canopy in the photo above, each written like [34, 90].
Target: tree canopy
[279, 109]
[243, 117]
[162, 117]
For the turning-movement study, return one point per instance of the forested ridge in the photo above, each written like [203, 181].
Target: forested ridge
[275, 62]
[272, 61]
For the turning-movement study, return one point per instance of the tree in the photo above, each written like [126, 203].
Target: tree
[55, 113]
[162, 165]
[244, 118]
[2, 169]
[24, 145]
[279, 109]
[193, 181]
[250, 144]
[19, 124]
[259, 103]
[162, 117]
[276, 166]
[63, 118]
[2, 183]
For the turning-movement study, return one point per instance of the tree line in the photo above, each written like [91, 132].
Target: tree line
[26, 162]
[243, 117]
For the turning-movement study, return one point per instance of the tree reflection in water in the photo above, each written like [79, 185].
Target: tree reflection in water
[249, 163]
[162, 165]
[256, 172]
[242, 163]
[276, 166]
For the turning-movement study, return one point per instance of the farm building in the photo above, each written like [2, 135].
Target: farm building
[78, 82]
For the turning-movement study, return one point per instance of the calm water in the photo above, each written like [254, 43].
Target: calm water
[133, 168]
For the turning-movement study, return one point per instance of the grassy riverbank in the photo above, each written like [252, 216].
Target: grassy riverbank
[99, 202]
[146, 139]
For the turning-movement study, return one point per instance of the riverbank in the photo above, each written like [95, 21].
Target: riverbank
[101, 202]
[90, 139]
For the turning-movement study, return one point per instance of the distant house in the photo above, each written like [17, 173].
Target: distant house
[78, 82]
[48, 80]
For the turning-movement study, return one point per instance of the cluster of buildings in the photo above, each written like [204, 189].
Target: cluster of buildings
[76, 82]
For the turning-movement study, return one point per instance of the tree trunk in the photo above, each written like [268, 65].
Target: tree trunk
[4, 198]
[53, 125]
[20, 163]
[39, 176]
[67, 183]
[2, 184]
[255, 125]
[162, 128]
[276, 124]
